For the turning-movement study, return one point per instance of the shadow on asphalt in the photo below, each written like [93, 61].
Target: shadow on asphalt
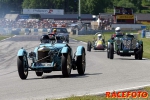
[97, 51]
[61, 76]
[131, 59]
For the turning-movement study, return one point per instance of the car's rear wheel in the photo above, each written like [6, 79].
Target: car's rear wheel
[39, 73]
[22, 65]
[66, 64]
[81, 63]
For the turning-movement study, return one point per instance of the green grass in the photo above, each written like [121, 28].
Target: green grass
[146, 41]
[102, 97]
[4, 36]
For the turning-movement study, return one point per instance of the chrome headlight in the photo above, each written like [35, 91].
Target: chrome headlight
[32, 54]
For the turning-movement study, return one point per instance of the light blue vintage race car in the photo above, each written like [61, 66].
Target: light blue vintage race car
[50, 56]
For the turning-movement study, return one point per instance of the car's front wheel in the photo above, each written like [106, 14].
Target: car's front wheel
[141, 52]
[111, 51]
[66, 64]
[22, 65]
[89, 44]
[81, 63]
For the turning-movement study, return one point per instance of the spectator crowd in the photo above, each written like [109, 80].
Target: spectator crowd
[30, 23]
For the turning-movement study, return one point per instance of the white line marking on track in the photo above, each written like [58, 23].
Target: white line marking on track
[83, 42]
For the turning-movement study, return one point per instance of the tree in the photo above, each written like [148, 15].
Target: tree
[125, 3]
[137, 4]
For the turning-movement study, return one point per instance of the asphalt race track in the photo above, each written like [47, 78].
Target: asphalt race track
[101, 74]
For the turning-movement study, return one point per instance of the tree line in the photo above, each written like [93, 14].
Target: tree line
[71, 6]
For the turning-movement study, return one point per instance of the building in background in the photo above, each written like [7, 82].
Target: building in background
[123, 15]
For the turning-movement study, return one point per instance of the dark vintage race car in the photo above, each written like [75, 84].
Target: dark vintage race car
[61, 31]
[125, 45]
[97, 44]
[51, 56]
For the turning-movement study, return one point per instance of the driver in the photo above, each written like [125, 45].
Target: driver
[99, 37]
[118, 31]
[44, 39]
[54, 32]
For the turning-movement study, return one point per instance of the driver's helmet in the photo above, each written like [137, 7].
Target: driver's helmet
[118, 30]
[54, 30]
[99, 36]
[44, 39]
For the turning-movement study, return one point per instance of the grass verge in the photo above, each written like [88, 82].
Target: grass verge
[146, 41]
[103, 97]
[4, 36]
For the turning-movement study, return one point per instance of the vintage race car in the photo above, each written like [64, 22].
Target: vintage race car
[61, 31]
[98, 44]
[125, 45]
[51, 56]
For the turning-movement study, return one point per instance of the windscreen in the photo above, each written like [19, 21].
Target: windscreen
[60, 30]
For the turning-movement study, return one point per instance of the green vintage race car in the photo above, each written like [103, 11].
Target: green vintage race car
[125, 45]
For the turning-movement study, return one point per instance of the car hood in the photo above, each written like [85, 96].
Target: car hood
[56, 45]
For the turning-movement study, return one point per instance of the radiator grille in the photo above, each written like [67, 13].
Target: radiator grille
[127, 44]
[41, 55]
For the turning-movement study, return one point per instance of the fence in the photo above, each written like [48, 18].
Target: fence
[147, 35]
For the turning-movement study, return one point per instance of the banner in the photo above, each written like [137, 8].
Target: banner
[44, 11]
[125, 16]
[24, 16]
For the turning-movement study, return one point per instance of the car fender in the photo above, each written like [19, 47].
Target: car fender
[140, 42]
[21, 52]
[79, 50]
[64, 50]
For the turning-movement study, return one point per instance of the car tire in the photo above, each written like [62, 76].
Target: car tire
[111, 51]
[140, 54]
[81, 63]
[66, 64]
[22, 67]
[136, 56]
[67, 40]
[89, 46]
[39, 73]
[107, 52]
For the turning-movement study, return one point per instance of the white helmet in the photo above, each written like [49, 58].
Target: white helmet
[117, 29]
[99, 35]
